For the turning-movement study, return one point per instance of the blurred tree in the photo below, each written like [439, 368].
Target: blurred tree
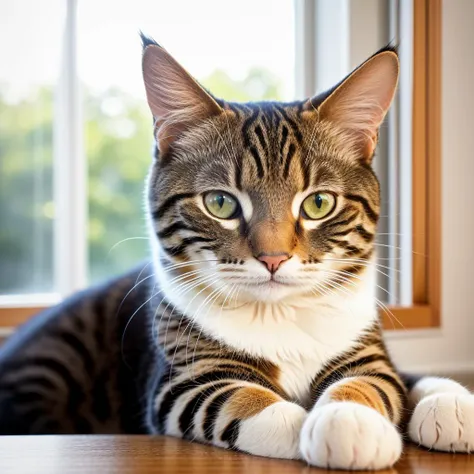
[259, 84]
[26, 227]
[118, 143]
[118, 137]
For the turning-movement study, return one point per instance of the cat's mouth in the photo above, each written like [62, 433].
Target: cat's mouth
[272, 283]
[271, 289]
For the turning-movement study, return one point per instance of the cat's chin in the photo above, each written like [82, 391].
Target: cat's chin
[269, 292]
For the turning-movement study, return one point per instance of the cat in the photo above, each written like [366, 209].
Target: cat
[254, 326]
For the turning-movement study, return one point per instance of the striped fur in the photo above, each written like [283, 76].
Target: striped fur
[208, 342]
[79, 367]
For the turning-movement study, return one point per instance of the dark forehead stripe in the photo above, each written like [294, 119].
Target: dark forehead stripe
[262, 121]
[263, 146]
[258, 162]
[293, 125]
[246, 132]
[291, 154]
[261, 138]
[266, 120]
[284, 138]
[238, 174]
[306, 169]
[249, 121]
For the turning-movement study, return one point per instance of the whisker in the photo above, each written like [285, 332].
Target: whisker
[351, 275]
[142, 270]
[182, 290]
[380, 304]
[397, 248]
[191, 319]
[360, 262]
[187, 263]
[187, 290]
[137, 284]
[125, 240]
[180, 287]
[130, 320]
[211, 299]
[389, 313]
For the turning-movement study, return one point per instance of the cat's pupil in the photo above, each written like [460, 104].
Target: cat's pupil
[319, 201]
[220, 200]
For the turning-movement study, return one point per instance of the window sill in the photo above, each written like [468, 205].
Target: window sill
[399, 318]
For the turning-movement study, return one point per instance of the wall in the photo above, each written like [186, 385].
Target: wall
[451, 348]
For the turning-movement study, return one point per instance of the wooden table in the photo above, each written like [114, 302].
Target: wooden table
[142, 454]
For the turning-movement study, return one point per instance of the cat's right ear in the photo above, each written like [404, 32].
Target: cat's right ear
[358, 105]
[176, 100]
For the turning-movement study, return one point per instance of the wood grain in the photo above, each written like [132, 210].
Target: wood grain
[426, 152]
[434, 144]
[11, 317]
[399, 318]
[142, 454]
[419, 145]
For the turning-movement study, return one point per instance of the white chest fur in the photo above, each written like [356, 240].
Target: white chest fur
[299, 336]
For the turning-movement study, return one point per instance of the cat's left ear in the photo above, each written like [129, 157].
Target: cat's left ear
[176, 99]
[358, 105]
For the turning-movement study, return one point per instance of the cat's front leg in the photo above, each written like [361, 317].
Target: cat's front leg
[231, 414]
[443, 416]
[354, 424]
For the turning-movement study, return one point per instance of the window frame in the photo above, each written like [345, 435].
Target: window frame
[70, 232]
[426, 171]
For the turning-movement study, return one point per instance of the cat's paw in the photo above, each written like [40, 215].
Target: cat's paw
[274, 432]
[444, 422]
[346, 435]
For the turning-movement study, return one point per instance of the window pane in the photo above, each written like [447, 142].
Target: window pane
[236, 55]
[393, 243]
[30, 43]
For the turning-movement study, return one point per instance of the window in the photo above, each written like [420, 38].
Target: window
[75, 143]
[26, 143]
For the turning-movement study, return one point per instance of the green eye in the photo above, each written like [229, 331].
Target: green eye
[318, 205]
[221, 205]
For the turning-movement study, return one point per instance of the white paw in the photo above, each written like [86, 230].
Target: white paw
[346, 435]
[444, 422]
[274, 432]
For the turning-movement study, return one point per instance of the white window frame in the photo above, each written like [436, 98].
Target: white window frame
[70, 169]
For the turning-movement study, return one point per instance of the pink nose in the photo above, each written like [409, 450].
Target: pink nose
[272, 262]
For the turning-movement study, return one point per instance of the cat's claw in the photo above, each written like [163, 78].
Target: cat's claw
[348, 435]
[444, 422]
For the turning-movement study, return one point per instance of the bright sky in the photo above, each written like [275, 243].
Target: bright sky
[203, 35]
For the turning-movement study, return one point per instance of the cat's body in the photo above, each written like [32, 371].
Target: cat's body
[75, 369]
[255, 325]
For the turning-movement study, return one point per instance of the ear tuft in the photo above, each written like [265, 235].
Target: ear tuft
[147, 40]
[176, 100]
[358, 105]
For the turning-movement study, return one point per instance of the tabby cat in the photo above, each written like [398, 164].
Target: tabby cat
[254, 327]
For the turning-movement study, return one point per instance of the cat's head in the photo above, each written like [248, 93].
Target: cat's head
[265, 201]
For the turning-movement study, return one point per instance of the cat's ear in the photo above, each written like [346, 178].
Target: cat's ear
[176, 100]
[358, 105]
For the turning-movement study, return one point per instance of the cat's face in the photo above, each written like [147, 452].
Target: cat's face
[265, 201]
